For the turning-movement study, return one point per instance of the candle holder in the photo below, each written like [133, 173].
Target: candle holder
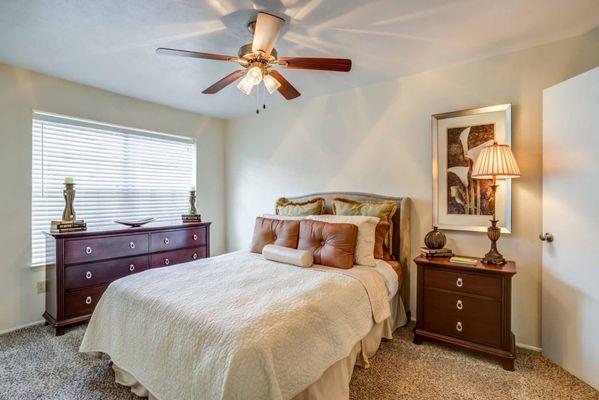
[192, 203]
[69, 221]
[68, 214]
[192, 215]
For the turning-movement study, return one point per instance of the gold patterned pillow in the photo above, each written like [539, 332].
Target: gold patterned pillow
[314, 206]
[384, 210]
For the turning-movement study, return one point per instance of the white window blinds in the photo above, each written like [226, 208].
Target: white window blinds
[119, 173]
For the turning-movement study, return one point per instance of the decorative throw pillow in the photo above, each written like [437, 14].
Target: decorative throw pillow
[364, 252]
[301, 258]
[379, 239]
[310, 207]
[331, 244]
[381, 209]
[273, 231]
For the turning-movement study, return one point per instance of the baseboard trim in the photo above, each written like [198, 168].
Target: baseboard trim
[529, 347]
[522, 345]
[16, 328]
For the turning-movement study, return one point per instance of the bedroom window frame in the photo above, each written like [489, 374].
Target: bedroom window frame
[138, 170]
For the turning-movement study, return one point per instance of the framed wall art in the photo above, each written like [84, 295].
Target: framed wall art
[459, 201]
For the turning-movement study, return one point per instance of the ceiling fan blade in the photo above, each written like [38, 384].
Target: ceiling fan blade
[227, 80]
[321, 64]
[286, 89]
[266, 32]
[194, 54]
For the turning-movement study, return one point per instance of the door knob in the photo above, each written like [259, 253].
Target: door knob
[546, 237]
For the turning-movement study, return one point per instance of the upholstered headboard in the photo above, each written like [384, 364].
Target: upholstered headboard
[401, 231]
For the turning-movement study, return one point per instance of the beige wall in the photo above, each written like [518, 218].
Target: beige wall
[378, 139]
[21, 91]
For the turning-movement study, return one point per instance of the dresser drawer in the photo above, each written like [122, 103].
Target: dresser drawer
[472, 330]
[82, 250]
[177, 239]
[465, 282]
[104, 272]
[463, 306]
[82, 302]
[177, 256]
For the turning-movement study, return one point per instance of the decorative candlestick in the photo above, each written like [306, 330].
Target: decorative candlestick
[192, 201]
[69, 214]
[192, 215]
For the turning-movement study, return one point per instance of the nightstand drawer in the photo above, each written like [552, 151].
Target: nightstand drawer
[437, 302]
[171, 240]
[464, 328]
[465, 282]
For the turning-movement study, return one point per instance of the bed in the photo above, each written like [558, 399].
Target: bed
[237, 326]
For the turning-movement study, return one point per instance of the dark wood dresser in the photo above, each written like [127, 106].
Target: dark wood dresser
[466, 306]
[81, 265]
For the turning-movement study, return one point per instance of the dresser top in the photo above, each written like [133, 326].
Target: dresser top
[509, 268]
[111, 229]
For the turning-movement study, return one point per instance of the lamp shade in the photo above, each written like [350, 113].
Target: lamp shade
[496, 161]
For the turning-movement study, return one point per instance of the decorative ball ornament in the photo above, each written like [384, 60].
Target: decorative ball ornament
[435, 239]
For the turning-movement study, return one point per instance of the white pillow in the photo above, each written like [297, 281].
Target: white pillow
[364, 251]
[301, 258]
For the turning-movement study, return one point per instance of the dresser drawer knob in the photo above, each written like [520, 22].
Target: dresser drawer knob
[166, 241]
[459, 282]
[167, 261]
[458, 327]
[88, 275]
[88, 250]
[459, 305]
[131, 267]
[195, 256]
[88, 300]
[195, 237]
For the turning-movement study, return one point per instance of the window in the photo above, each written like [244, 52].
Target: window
[118, 172]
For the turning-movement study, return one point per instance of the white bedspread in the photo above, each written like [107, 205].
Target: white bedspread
[234, 326]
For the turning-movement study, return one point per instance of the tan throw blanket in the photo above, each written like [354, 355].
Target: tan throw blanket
[234, 326]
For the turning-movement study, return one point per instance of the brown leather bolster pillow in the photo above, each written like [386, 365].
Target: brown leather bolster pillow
[274, 231]
[332, 244]
[379, 239]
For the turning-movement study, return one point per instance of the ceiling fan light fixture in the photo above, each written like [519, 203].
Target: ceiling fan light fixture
[245, 85]
[271, 84]
[254, 75]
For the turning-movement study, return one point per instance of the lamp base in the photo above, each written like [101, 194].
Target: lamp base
[494, 256]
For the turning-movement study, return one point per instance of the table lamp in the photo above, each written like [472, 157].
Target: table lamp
[495, 162]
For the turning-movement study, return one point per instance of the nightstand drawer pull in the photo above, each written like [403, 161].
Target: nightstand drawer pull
[459, 282]
[166, 241]
[88, 300]
[88, 275]
[88, 250]
[131, 245]
[459, 305]
[195, 237]
[195, 256]
[167, 261]
[131, 267]
[458, 327]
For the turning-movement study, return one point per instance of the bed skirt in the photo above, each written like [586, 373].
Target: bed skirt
[333, 384]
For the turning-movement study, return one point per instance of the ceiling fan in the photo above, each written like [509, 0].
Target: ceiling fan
[259, 59]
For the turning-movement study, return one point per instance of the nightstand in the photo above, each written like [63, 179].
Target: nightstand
[466, 306]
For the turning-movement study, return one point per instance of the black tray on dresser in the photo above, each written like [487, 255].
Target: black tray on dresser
[81, 265]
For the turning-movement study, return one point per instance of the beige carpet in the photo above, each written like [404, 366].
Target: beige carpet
[36, 365]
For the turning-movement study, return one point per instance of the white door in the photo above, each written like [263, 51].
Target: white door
[570, 304]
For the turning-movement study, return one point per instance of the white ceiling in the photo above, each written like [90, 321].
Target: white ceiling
[110, 44]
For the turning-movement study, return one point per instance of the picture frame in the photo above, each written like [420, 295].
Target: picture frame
[459, 201]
